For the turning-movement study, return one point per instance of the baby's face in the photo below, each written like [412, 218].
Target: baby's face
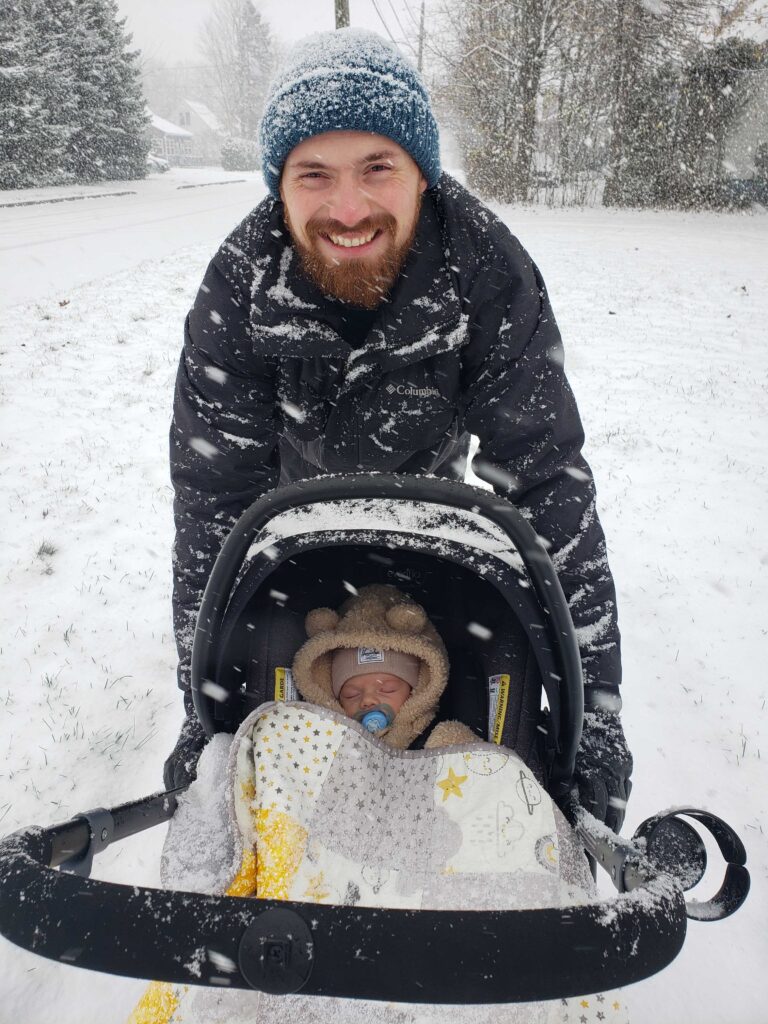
[362, 692]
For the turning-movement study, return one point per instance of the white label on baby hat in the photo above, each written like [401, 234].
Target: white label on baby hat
[369, 655]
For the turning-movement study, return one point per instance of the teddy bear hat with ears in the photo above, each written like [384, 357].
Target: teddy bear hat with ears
[382, 617]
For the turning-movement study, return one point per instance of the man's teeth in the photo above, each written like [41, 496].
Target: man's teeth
[348, 242]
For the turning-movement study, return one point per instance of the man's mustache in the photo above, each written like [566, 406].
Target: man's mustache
[381, 222]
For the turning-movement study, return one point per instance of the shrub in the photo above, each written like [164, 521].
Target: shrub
[239, 155]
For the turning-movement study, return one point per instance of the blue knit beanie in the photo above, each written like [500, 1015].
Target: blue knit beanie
[348, 80]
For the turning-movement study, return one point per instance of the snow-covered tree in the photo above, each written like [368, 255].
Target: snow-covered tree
[571, 97]
[495, 63]
[110, 139]
[642, 38]
[71, 107]
[21, 116]
[713, 84]
[238, 45]
[37, 100]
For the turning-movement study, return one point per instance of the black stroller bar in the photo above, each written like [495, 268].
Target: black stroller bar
[282, 947]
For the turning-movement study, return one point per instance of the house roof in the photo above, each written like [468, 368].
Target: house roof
[207, 116]
[167, 127]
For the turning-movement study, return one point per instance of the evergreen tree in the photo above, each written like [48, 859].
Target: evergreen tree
[53, 83]
[675, 128]
[648, 141]
[37, 101]
[253, 69]
[110, 139]
[713, 85]
[21, 117]
[239, 47]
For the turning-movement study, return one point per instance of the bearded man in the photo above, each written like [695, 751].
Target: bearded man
[370, 315]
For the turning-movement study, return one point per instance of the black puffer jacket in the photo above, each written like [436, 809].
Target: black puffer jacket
[268, 391]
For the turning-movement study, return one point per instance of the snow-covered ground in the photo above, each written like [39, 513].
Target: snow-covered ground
[664, 321]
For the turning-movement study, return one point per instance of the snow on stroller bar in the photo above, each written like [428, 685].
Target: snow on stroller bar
[392, 515]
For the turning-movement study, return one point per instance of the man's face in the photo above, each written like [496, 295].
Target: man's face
[352, 202]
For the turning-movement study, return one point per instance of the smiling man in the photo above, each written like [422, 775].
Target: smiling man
[351, 201]
[370, 315]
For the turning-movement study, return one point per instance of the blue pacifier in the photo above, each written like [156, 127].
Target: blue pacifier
[376, 719]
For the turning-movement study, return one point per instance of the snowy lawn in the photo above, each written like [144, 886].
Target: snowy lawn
[664, 319]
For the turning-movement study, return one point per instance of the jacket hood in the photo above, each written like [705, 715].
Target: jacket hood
[383, 617]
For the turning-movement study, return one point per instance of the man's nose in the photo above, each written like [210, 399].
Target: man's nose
[348, 203]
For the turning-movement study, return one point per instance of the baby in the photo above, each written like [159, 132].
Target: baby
[380, 660]
[373, 684]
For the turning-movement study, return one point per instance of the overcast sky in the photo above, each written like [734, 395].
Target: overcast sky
[168, 30]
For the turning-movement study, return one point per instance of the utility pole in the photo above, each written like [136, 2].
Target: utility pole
[342, 13]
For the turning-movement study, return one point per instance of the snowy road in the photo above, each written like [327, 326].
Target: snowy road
[48, 249]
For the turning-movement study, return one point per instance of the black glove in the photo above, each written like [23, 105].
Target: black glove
[603, 768]
[181, 766]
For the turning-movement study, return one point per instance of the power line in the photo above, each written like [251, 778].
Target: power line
[383, 22]
[420, 27]
[397, 19]
[410, 14]
[405, 40]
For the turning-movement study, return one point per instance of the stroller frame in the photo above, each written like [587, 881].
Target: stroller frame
[283, 947]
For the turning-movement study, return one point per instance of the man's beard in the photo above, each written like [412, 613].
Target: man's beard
[364, 282]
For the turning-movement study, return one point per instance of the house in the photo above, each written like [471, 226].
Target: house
[171, 141]
[208, 131]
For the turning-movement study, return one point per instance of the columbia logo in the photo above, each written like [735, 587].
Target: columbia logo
[409, 389]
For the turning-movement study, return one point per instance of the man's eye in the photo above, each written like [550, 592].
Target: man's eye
[380, 167]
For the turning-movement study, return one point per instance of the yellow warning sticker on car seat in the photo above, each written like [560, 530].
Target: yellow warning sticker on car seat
[285, 688]
[498, 698]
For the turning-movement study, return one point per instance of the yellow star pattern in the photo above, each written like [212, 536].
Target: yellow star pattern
[315, 891]
[450, 785]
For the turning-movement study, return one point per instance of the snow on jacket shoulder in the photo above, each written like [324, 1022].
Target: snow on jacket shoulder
[269, 390]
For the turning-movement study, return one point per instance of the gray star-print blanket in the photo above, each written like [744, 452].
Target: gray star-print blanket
[315, 809]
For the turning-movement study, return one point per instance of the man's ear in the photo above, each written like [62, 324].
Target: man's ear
[422, 183]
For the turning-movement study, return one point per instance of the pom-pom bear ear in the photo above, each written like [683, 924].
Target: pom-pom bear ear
[407, 618]
[319, 620]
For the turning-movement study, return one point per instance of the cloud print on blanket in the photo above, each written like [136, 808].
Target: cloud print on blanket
[318, 810]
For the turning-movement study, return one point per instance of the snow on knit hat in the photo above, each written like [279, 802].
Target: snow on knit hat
[380, 617]
[347, 80]
[348, 662]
